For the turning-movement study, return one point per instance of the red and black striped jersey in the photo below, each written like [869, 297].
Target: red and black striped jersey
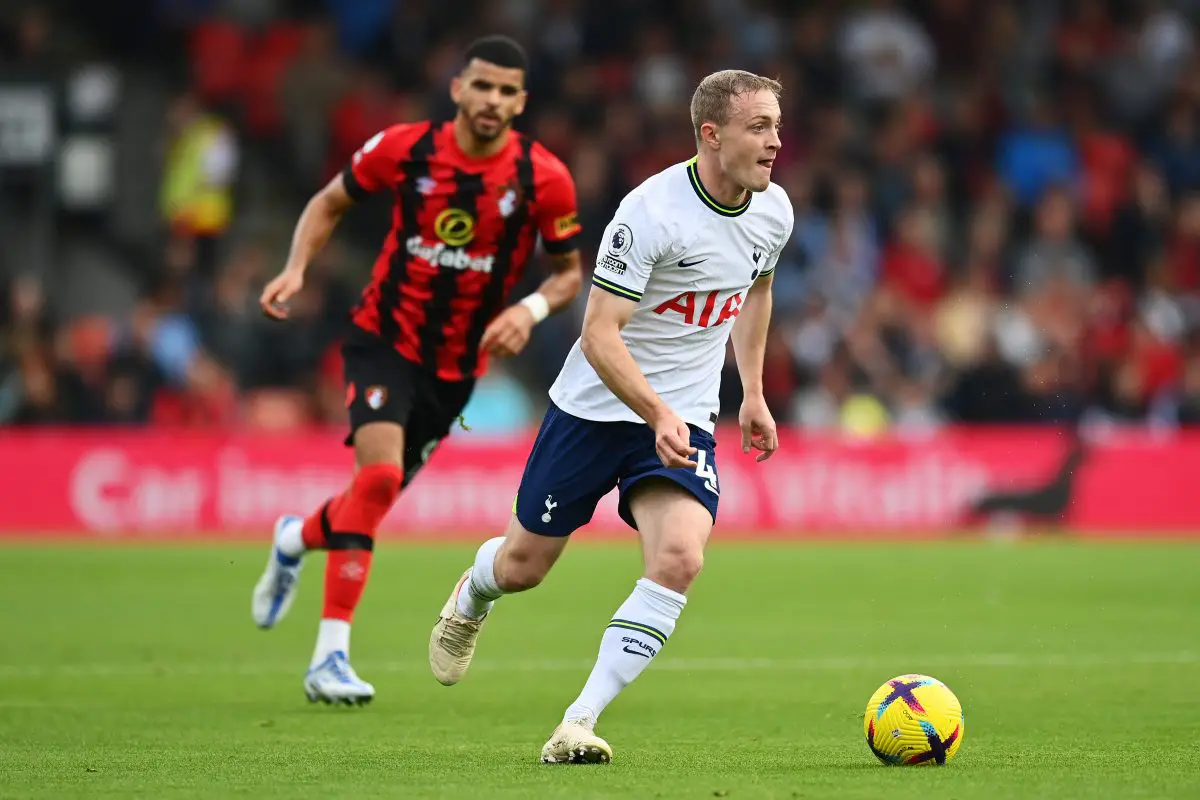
[462, 232]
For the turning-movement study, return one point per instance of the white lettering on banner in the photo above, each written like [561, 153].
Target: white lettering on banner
[109, 494]
[250, 496]
[108, 483]
[926, 490]
[92, 476]
[458, 497]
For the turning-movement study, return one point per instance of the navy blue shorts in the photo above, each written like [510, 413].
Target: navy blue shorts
[575, 462]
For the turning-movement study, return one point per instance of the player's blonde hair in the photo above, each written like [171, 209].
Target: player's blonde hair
[712, 99]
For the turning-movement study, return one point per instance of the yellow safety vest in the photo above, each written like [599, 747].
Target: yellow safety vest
[186, 199]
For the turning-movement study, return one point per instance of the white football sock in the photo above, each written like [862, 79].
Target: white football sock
[481, 590]
[633, 638]
[332, 635]
[291, 538]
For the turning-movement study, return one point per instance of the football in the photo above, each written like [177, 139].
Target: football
[912, 720]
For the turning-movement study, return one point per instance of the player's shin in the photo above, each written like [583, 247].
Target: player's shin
[481, 589]
[353, 522]
[633, 638]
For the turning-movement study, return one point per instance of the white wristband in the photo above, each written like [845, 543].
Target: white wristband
[538, 305]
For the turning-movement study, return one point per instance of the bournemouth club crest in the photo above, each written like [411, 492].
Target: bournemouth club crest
[375, 396]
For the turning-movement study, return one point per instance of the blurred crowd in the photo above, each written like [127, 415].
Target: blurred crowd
[997, 201]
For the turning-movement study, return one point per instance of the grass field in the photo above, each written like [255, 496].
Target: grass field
[135, 671]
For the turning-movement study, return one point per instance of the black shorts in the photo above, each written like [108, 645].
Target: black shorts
[383, 386]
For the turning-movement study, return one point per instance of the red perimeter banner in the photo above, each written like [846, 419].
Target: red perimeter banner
[107, 483]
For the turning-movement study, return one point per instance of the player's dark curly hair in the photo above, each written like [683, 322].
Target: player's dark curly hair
[499, 50]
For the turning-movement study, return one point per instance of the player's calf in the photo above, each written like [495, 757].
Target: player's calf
[515, 562]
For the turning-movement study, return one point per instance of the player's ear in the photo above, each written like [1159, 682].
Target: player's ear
[455, 89]
[710, 135]
[521, 99]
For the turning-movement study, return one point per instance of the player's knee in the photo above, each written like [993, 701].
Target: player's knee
[676, 566]
[519, 569]
[379, 443]
[519, 572]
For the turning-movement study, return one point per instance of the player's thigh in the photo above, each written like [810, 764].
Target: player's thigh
[437, 409]
[673, 509]
[572, 465]
[674, 526]
[381, 392]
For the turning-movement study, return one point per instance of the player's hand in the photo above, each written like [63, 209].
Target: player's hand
[673, 442]
[283, 288]
[758, 427]
[509, 333]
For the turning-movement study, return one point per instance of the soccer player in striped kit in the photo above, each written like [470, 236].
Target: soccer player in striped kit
[472, 198]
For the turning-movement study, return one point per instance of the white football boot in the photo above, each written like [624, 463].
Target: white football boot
[276, 589]
[452, 642]
[335, 681]
[574, 742]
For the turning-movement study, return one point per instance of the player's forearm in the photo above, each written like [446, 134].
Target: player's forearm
[563, 285]
[605, 350]
[750, 337]
[313, 229]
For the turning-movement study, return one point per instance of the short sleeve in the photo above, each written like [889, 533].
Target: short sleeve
[772, 258]
[556, 213]
[372, 167]
[632, 244]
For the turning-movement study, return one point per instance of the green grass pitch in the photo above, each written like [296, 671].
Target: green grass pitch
[135, 671]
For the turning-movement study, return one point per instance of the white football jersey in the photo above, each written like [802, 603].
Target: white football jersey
[688, 261]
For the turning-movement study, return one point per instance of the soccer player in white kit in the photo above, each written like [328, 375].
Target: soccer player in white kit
[689, 253]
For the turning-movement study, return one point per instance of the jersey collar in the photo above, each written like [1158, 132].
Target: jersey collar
[468, 161]
[708, 199]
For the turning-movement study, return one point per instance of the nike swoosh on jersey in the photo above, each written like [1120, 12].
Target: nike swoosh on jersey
[692, 263]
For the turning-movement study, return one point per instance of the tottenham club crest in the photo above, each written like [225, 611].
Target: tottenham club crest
[375, 396]
[621, 241]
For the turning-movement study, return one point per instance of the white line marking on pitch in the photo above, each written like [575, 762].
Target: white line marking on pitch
[920, 663]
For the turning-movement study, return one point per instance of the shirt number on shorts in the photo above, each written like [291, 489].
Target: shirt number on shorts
[705, 470]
